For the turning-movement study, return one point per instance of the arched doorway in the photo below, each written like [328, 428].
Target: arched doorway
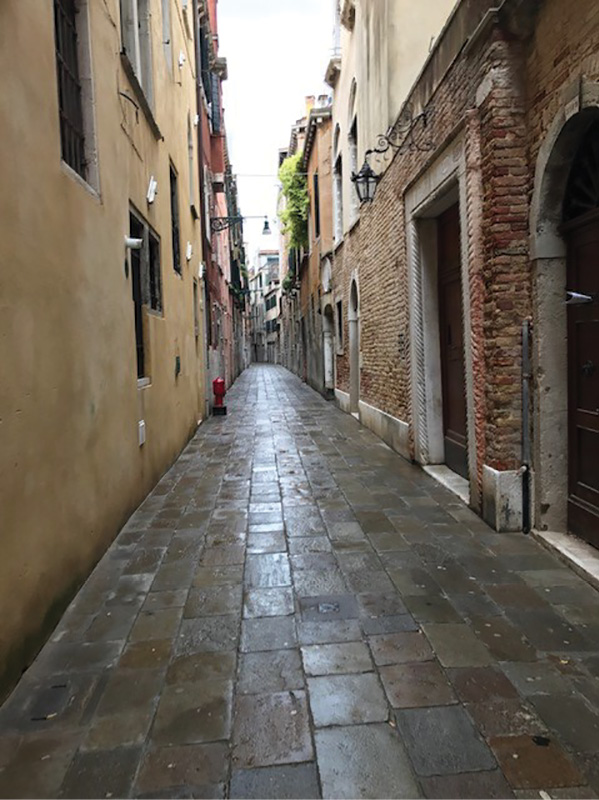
[328, 333]
[565, 257]
[581, 232]
[354, 348]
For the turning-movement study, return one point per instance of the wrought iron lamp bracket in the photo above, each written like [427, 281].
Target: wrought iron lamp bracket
[218, 224]
[402, 135]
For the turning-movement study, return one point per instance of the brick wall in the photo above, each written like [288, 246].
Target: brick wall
[501, 93]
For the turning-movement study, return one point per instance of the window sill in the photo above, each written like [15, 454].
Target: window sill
[78, 179]
[143, 383]
[140, 95]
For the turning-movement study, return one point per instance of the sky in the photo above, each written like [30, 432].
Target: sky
[277, 52]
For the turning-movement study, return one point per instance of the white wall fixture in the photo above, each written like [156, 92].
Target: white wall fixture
[201, 270]
[152, 189]
[141, 431]
[196, 120]
[133, 244]
[182, 58]
[189, 251]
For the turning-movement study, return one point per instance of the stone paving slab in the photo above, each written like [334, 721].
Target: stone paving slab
[294, 606]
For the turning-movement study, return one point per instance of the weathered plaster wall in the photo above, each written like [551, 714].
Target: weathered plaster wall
[72, 469]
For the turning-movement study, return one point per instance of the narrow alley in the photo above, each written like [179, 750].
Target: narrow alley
[296, 611]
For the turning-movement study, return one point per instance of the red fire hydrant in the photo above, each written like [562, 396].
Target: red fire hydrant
[218, 387]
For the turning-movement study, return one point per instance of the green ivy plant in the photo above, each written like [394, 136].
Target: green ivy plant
[295, 191]
[287, 284]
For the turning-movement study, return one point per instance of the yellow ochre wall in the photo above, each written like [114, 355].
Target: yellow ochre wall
[71, 469]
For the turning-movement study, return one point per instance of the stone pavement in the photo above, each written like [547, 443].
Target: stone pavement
[296, 611]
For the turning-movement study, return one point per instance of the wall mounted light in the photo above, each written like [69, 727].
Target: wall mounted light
[189, 251]
[366, 182]
[133, 244]
[152, 189]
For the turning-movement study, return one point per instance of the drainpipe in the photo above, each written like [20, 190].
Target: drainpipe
[525, 469]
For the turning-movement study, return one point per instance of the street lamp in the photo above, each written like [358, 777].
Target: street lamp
[365, 182]
[218, 224]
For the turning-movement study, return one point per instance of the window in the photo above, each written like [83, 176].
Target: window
[175, 221]
[136, 40]
[154, 278]
[196, 309]
[353, 155]
[137, 231]
[74, 79]
[340, 326]
[192, 188]
[338, 186]
[215, 103]
[316, 207]
[166, 34]
[146, 283]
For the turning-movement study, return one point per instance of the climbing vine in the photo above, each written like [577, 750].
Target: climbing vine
[295, 191]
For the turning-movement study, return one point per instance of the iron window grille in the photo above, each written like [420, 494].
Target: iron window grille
[72, 139]
[175, 222]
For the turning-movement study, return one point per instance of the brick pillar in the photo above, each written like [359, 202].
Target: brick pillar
[474, 215]
[505, 180]
[505, 275]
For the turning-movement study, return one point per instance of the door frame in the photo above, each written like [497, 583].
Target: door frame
[548, 252]
[353, 318]
[441, 186]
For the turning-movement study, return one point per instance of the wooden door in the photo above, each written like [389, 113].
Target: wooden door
[583, 381]
[452, 341]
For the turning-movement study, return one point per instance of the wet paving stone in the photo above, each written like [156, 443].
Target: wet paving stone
[268, 602]
[165, 769]
[501, 717]
[456, 645]
[159, 624]
[295, 606]
[113, 770]
[347, 700]
[268, 570]
[391, 624]
[207, 634]
[36, 766]
[400, 648]
[271, 729]
[327, 608]
[528, 765]
[271, 671]
[259, 543]
[468, 785]
[571, 718]
[350, 761]
[443, 741]
[324, 632]
[504, 641]
[416, 685]
[279, 783]
[190, 713]
[268, 633]
[333, 659]
[431, 608]
[202, 667]
[213, 601]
